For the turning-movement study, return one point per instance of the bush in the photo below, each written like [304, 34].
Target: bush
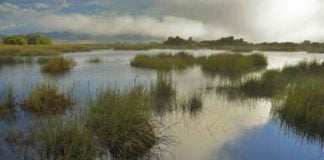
[16, 40]
[27, 39]
[38, 39]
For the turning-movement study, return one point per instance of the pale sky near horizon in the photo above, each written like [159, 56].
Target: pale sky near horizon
[254, 20]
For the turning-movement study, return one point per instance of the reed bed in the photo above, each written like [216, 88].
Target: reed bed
[164, 61]
[58, 65]
[233, 64]
[302, 110]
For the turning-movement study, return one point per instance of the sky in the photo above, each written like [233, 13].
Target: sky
[253, 20]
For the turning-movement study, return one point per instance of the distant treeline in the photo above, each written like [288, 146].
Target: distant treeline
[240, 45]
[32, 39]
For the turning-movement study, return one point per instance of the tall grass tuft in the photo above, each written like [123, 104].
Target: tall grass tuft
[66, 140]
[47, 99]
[303, 110]
[58, 64]
[121, 122]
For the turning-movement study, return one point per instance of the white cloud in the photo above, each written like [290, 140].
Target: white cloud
[5, 7]
[8, 26]
[254, 20]
[40, 6]
[64, 3]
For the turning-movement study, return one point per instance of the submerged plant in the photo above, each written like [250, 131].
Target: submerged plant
[58, 64]
[94, 60]
[14, 60]
[47, 99]
[193, 103]
[163, 94]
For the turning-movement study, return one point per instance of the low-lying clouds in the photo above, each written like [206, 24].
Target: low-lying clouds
[254, 20]
[116, 25]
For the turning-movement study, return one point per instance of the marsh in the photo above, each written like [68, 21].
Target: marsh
[214, 127]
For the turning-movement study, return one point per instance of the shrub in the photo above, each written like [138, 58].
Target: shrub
[16, 40]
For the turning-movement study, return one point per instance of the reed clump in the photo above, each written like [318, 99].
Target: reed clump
[57, 65]
[66, 140]
[47, 99]
[121, 122]
[233, 64]
[303, 110]
[164, 61]
[273, 82]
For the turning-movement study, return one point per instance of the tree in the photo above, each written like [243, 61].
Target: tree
[34, 39]
[17, 40]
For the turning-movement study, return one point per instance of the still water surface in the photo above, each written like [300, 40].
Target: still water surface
[224, 130]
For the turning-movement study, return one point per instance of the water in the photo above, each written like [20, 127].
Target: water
[224, 130]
